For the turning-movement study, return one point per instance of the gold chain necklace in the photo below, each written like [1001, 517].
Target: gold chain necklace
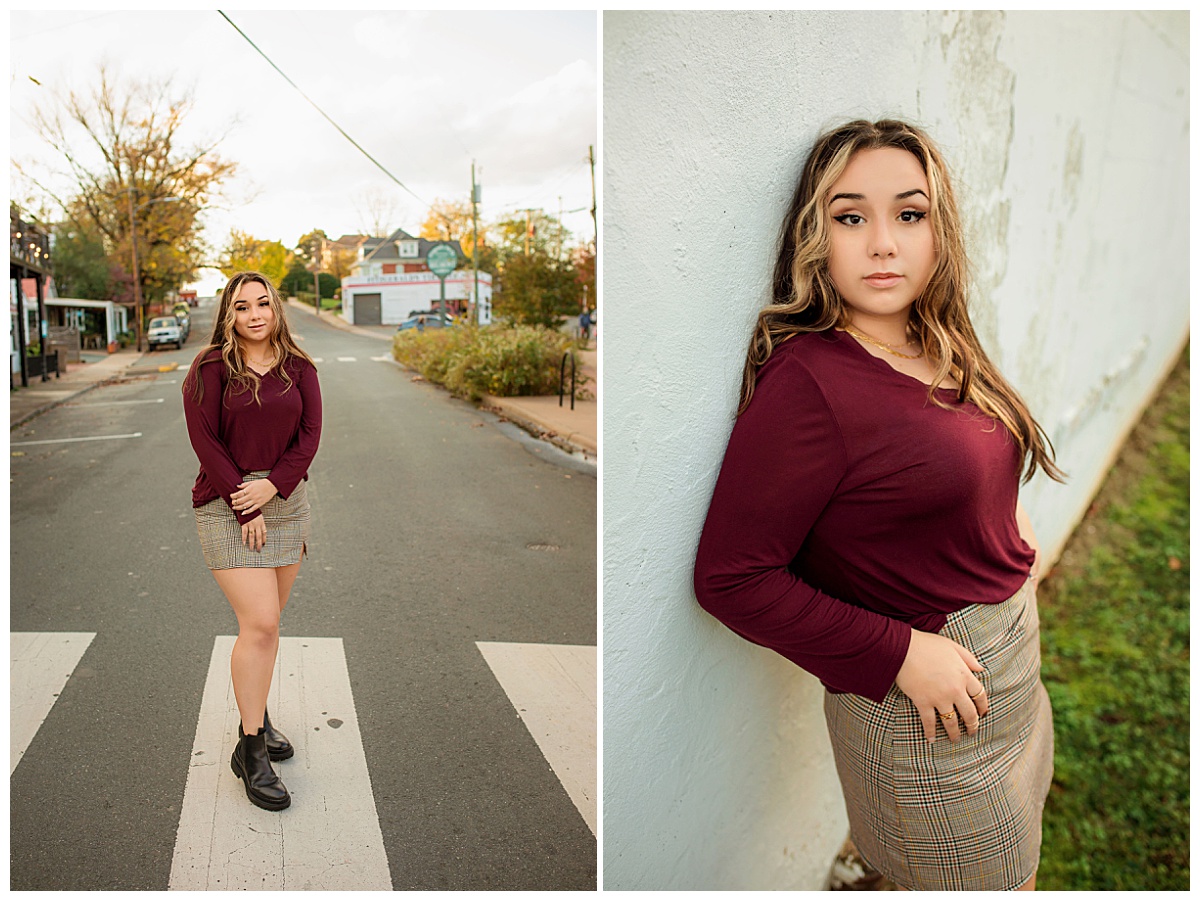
[885, 347]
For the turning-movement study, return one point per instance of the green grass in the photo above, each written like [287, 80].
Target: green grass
[1115, 641]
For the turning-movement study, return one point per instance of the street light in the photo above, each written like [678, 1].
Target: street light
[137, 282]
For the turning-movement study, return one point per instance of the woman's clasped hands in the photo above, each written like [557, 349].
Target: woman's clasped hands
[938, 675]
[252, 495]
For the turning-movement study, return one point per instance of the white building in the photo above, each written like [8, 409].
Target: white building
[391, 282]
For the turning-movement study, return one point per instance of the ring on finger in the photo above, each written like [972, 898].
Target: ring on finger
[977, 694]
[947, 716]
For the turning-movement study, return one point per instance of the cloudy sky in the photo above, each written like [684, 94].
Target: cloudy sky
[424, 93]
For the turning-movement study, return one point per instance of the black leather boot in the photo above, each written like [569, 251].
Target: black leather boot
[278, 745]
[252, 765]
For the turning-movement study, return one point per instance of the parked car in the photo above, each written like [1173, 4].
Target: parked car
[184, 320]
[164, 330]
[432, 320]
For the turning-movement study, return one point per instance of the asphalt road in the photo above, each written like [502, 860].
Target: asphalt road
[433, 529]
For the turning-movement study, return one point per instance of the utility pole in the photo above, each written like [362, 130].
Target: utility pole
[475, 241]
[595, 228]
[137, 282]
[529, 226]
[317, 249]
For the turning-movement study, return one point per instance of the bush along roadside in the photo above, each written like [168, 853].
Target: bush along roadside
[503, 361]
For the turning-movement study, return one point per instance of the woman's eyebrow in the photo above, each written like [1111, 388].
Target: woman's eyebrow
[903, 196]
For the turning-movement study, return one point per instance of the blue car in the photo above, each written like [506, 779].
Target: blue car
[432, 320]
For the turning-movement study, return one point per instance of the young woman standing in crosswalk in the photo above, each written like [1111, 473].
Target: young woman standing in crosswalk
[253, 408]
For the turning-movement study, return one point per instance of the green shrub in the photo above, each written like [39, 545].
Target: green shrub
[471, 361]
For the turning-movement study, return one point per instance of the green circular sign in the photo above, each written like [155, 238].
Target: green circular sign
[442, 259]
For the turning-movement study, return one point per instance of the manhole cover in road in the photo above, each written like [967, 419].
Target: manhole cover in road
[543, 547]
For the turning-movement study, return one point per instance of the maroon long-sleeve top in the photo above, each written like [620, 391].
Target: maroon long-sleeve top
[850, 510]
[234, 436]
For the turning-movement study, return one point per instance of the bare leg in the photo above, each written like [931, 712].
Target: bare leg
[285, 576]
[253, 592]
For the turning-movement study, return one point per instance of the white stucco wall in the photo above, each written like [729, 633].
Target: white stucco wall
[1068, 134]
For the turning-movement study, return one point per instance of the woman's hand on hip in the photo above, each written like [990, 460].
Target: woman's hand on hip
[253, 495]
[254, 533]
[938, 675]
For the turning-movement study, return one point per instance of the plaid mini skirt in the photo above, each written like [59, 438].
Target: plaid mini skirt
[288, 524]
[963, 816]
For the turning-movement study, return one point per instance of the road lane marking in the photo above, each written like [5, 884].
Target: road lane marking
[69, 440]
[116, 403]
[329, 839]
[40, 663]
[385, 358]
[553, 688]
[347, 359]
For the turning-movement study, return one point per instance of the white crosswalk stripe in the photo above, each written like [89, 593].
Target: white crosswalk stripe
[329, 839]
[553, 688]
[40, 663]
[347, 359]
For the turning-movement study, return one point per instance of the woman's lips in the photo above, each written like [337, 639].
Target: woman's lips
[883, 281]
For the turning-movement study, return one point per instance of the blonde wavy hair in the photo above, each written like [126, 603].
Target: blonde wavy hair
[804, 298]
[241, 377]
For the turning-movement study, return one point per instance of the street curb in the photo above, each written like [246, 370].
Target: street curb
[165, 367]
[45, 408]
[571, 441]
[108, 380]
[497, 407]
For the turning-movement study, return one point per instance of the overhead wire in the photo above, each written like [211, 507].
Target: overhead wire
[359, 147]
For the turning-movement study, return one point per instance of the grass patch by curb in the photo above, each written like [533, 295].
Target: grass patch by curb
[1115, 661]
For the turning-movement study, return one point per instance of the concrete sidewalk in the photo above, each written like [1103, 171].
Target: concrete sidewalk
[541, 416]
[544, 416]
[26, 403]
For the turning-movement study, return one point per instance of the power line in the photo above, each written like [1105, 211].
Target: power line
[322, 112]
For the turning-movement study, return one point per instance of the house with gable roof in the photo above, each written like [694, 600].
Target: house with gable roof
[391, 281]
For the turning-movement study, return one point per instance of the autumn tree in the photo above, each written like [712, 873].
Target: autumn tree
[450, 220]
[244, 252]
[583, 261]
[82, 267]
[536, 289]
[131, 175]
[311, 249]
[532, 232]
